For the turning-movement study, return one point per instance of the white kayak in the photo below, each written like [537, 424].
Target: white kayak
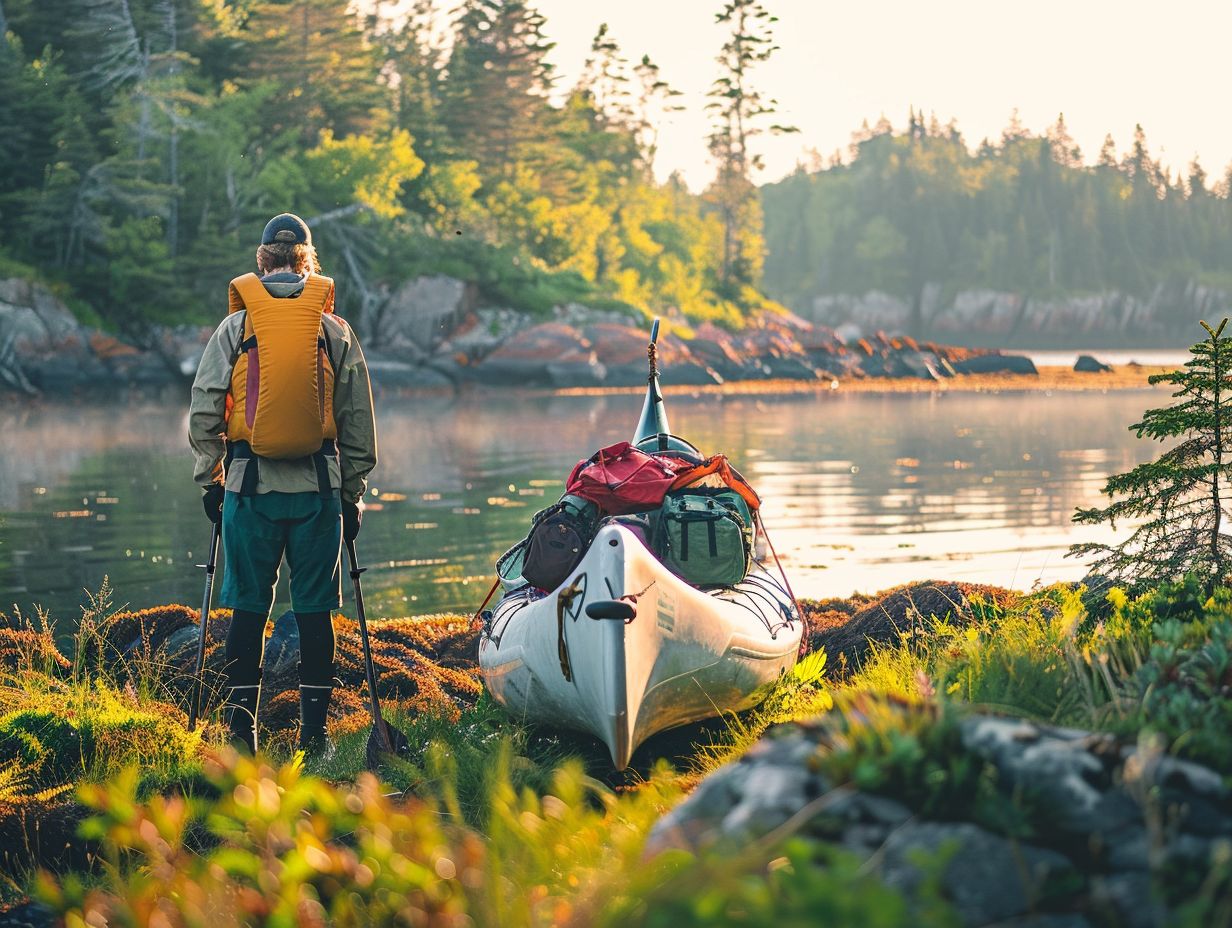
[625, 649]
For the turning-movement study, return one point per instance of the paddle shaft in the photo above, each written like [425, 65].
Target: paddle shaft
[210, 566]
[369, 668]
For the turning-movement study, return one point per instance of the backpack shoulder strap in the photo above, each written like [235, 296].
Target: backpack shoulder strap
[242, 291]
[319, 289]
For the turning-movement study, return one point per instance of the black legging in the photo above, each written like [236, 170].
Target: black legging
[246, 644]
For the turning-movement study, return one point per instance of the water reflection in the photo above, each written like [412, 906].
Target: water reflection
[861, 491]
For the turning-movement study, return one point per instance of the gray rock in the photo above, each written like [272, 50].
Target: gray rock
[1146, 767]
[848, 805]
[482, 332]
[1129, 899]
[1086, 364]
[282, 647]
[420, 314]
[994, 317]
[987, 878]
[34, 318]
[392, 374]
[1055, 764]
[180, 643]
[743, 800]
[996, 364]
[580, 316]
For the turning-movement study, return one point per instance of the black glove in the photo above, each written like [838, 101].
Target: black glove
[214, 495]
[352, 518]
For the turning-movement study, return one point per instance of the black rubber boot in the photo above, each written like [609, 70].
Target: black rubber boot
[313, 707]
[241, 715]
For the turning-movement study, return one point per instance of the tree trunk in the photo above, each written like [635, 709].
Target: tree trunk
[1217, 575]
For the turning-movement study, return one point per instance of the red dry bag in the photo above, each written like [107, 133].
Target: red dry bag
[621, 479]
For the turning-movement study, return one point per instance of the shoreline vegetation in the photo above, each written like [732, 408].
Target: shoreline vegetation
[1084, 733]
[1049, 378]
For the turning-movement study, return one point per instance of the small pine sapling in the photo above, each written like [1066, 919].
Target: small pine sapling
[1179, 496]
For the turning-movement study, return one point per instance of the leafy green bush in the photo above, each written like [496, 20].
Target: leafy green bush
[1185, 689]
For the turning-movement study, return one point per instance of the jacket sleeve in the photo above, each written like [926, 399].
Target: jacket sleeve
[354, 416]
[207, 411]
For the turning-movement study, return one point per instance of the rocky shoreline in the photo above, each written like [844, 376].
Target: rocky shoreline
[431, 335]
[1095, 825]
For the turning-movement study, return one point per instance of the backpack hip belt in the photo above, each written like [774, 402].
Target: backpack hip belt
[242, 451]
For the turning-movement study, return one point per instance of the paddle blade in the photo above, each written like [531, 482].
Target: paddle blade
[384, 745]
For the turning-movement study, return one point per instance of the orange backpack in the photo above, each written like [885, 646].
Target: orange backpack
[281, 400]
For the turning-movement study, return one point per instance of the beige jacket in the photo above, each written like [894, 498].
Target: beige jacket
[353, 414]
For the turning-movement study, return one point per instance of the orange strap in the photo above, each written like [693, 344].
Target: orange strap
[718, 464]
[486, 600]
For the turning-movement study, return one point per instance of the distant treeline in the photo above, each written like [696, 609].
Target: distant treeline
[145, 143]
[1023, 214]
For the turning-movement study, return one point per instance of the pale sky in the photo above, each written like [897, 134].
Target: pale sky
[1106, 65]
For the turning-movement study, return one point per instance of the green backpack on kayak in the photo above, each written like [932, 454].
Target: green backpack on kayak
[705, 536]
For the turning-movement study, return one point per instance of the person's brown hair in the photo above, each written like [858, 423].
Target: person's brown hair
[301, 258]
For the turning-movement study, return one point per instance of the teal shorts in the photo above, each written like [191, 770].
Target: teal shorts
[258, 530]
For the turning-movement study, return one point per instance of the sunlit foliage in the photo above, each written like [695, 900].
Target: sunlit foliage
[148, 141]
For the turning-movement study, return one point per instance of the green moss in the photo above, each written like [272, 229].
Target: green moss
[75, 736]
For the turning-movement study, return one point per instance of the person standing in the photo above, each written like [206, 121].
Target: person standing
[283, 434]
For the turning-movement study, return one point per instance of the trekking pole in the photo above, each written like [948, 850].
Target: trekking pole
[210, 565]
[384, 739]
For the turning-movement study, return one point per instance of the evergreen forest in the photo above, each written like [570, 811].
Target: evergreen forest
[146, 142]
[906, 209]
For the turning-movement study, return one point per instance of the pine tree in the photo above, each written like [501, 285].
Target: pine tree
[1180, 495]
[319, 57]
[739, 111]
[605, 78]
[499, 78]
[655, 99]
[414, 52]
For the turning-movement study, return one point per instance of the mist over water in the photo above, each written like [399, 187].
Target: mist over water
[861, 491]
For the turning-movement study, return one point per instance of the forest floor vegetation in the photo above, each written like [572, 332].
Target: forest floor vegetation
[110, 808]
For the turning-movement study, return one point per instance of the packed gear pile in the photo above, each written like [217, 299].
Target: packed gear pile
[697, 515]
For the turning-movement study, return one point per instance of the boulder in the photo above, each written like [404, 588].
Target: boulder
[580, 316]
[987, 878]
[1106, 822]
[480, 333]
[394, 374]
[42, 347]
[35, 320]
[550, 354]
[996, 363]
[420, 314]
[1086, 364]
[621, 349]
[775, 352]
[717, 349]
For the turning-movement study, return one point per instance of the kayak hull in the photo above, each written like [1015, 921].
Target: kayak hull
[625, 649]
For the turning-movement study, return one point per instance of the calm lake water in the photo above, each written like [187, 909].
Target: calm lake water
[861, 491]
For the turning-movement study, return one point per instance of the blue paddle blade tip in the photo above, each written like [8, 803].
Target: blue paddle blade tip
[654, 332]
